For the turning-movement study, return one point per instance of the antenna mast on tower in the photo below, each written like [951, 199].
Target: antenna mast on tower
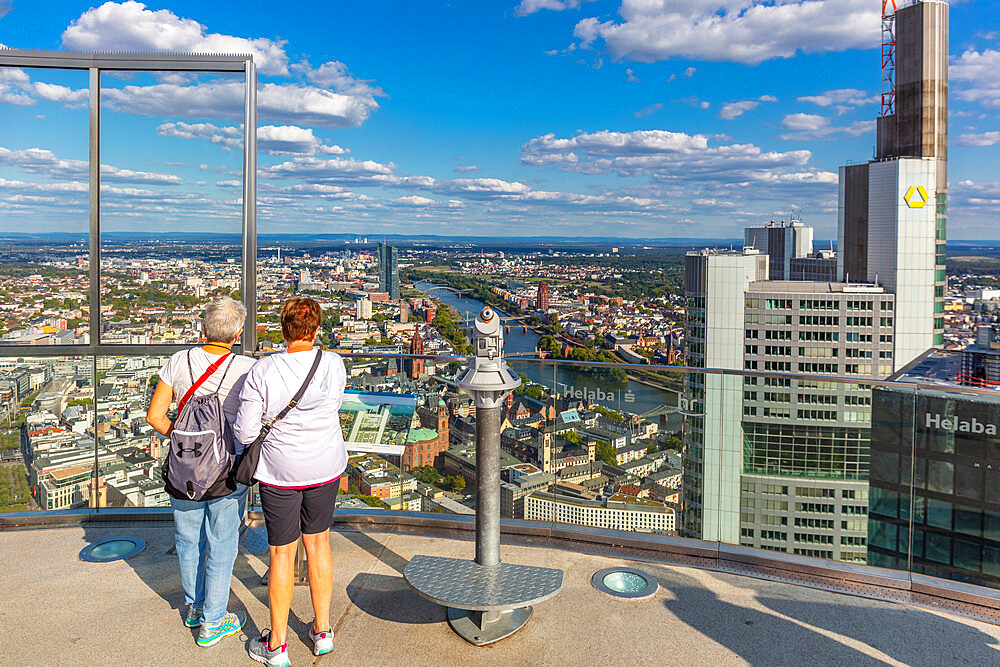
[888, 58]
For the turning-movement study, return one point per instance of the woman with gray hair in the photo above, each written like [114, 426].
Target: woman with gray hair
[206, 531]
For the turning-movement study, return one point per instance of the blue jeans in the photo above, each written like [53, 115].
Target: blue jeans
[207, 536]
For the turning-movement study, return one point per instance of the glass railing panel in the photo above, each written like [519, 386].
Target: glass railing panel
[47, 455]
[171, 212]
[616, 463]
[44, 256]
[544, 447]
[805, 466]
[130, 453]
[396, 429]
[955, 501]
[896, 478]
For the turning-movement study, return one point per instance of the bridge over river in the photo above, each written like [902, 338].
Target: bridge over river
[634, 397]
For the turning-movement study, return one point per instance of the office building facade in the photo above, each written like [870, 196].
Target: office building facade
[782, 463]
[388, 270]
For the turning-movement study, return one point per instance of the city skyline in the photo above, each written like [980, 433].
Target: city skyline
[602, 119]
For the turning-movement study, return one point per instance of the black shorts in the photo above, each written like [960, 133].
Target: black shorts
[289, 513]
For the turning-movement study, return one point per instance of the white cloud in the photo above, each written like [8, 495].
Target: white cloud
[662, 154]
[288, 140]
[129, 26]
[631, 77]
[526, 7]
[45, 163]
[805, 121]
[979, 75]
[732, 110]
[334, 98]
[465, 168]
[415, 200]
[50, 92]
[282, 103]
[228, 137]
[333, 149]
[335, 170]
[335, 76]
[646, 111]
[747, 31]
[981, 139]
[813, 126]
[15, 87]
[841, 99]
[271, 139]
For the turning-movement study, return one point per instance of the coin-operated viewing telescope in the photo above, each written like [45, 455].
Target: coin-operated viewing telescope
[487, 600]
[488, 380]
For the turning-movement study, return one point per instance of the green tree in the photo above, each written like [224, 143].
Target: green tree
[427, 475]
[371, 501]
[606, 452]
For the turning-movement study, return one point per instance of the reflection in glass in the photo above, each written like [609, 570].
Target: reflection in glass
[130, 452]
[47, 432]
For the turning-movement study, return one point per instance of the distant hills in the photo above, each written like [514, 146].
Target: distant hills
[420, 239]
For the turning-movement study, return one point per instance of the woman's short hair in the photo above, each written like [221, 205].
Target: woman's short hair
[224, 318]
[300, 318]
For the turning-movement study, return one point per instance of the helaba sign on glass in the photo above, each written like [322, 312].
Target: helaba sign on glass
[957, 424]
[593, 394]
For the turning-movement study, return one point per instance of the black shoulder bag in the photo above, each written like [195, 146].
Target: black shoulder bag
[246, 468]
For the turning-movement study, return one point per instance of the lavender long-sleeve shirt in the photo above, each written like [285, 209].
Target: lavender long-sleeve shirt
[307, 446]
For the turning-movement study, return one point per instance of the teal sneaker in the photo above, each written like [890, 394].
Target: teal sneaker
[230, 624]
[193, 618]
[322, 641]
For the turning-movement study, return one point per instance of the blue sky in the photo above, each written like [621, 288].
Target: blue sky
[631, 118]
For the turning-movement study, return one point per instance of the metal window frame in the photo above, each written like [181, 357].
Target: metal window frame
[95, 63]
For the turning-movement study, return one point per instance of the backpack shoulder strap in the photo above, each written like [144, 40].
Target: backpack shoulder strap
[208, 372]
[224, 372]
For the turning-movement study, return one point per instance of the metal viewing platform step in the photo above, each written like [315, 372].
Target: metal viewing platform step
[464, 584]
[486, 603]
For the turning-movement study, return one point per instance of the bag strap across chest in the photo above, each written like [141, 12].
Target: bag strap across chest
[204, 376]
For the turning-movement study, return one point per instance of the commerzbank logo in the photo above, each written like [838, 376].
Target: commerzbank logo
[916, 196]
[956, 424]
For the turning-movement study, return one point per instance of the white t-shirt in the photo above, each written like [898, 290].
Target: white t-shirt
[307, 446]
[176, 374]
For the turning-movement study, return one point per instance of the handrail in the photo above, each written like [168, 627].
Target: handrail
[125, 61]
[111, 349]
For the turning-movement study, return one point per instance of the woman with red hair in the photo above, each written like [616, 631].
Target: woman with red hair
[301, 460]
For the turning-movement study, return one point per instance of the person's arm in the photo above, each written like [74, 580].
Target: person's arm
[251, 412]
[156, 416]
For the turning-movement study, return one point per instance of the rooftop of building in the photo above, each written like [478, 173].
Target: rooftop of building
[811, 287]
[130, 611]
[944, 369]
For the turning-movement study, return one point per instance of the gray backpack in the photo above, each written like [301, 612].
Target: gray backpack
[202, 448]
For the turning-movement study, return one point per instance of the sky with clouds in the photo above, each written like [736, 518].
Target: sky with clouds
[576, 118]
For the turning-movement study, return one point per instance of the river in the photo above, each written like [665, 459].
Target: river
[635, 397]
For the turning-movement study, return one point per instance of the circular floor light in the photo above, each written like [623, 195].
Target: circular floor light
[111, 549]
[624, 582]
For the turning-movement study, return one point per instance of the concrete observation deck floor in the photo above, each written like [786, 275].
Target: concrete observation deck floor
[58, 610]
